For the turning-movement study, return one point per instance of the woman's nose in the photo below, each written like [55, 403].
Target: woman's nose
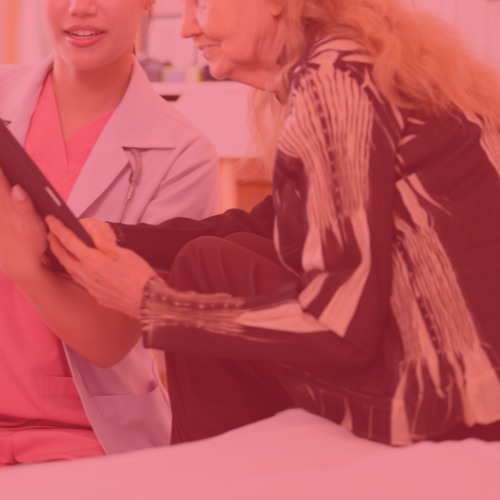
[190, 26]
[83, 7]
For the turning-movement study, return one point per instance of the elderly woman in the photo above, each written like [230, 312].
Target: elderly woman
[376, 305]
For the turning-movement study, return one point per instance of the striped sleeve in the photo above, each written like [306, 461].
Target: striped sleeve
[333, 195]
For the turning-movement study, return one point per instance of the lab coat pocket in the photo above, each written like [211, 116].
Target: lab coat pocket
[61, 401]
[135, 421]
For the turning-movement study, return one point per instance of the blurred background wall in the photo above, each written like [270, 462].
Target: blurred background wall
[478, 22]
[22, 39]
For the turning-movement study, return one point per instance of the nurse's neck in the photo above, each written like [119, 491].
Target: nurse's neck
[84, 95]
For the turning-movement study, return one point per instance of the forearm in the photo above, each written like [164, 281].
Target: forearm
[159, 244]
[225, 326]
[101, 335]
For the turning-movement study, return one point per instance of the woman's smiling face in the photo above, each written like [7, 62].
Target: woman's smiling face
[89, 34]
[240, 39]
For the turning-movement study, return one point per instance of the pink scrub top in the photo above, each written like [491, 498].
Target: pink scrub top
[41, 414]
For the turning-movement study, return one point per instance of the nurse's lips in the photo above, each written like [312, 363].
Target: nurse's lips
[83, 35]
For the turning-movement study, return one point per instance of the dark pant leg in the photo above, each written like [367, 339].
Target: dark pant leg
[256, 244]
[209, 395]
[489, 432]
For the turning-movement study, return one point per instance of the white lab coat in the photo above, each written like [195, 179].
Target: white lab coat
[126, 404]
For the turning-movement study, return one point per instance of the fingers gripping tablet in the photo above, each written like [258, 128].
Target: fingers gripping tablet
[20, 169]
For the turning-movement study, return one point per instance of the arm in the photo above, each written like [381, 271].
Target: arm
[159, 245]
[102, 335]
[99, 334]
[334, 320]
[335, 170]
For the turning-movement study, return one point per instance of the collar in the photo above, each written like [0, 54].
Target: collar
[141, 119]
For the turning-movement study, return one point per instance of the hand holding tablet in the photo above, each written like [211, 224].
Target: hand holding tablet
[19, 169]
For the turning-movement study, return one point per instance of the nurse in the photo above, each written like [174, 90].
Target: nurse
[89, 118]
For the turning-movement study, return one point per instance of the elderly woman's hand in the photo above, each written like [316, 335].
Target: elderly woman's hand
[114, 276]
[22, 234]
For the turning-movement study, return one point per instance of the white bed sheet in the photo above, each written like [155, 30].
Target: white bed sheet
[292, 456]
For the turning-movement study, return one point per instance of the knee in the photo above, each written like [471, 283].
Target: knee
[241, 239]
[198, 265]
[197, 248]
[191, 262]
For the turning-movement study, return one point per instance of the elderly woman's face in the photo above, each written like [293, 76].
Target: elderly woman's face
[240, 39]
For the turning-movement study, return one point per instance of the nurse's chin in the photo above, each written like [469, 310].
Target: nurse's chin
[87, 62]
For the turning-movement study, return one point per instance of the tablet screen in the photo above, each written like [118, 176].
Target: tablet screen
[20, 169]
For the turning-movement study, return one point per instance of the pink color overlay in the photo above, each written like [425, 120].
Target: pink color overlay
[41, 415]
[292, 456]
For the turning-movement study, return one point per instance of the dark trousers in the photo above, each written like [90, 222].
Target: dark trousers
[210, 395]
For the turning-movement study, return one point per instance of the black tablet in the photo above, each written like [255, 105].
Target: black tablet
[20, 169]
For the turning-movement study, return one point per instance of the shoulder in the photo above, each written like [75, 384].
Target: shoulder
[335, 54]
[335, 75]
[19, 83]
[333, 72]
[144, 117]
[151, 111]
[334, 67]
[194, 146]
[8, 71]
[180, 125]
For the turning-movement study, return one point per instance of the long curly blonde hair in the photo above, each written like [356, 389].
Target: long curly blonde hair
[418, 61]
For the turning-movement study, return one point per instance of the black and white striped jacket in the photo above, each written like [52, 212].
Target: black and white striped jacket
[390, 219]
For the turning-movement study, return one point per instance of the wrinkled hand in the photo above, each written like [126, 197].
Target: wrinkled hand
[22, 233]
[114, 276]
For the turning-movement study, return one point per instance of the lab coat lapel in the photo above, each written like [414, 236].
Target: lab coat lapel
[104, 164]
[19, 97]
[140, 121]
